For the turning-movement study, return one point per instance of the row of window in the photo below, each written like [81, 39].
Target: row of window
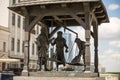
[18, 46]
[18, 20]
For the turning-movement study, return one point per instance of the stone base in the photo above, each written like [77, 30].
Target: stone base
[55, 78]
[25, 71]
[63, 74]
[60, 75]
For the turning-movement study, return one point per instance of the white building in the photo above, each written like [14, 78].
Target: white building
[16, 24]
[4, 47]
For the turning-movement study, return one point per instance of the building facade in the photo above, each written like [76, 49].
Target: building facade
[4, 46]
[17, 42]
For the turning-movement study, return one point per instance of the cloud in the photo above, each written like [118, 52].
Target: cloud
[110, 59]
[115, 43]
[110, 30]
[113, 6]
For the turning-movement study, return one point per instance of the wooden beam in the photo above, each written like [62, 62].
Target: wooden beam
[57, 28]
[95, 30]
[54, 11]
[54, 31]
[79, 20]
[32, 24]
[94, 19]
[92, 34]
[57, 18]
[62, 24]
[87, 35]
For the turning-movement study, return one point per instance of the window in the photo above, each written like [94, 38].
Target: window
[13, 19]
[33, 49]
[23, 23]
[13, 1]
[18, 45]
[12, 44]
[23, 46]
[19, 21]
[4, 46]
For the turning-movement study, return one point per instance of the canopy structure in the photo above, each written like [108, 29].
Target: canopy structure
[64, 13]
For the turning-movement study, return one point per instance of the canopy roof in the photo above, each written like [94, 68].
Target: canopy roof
[38, 7]
[41, 2]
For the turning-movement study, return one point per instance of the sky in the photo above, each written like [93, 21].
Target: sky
[109, 35]
[109, 38]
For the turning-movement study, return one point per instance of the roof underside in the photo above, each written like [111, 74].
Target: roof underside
[41, 2]
[39, 6]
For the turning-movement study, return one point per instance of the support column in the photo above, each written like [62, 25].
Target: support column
[87, 36]
[25, 71]
[95, 30]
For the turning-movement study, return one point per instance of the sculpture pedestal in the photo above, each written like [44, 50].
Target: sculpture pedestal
[55, 78]
[25, 71]
[60, 75]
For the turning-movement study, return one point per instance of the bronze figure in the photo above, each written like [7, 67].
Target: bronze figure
[60, 44]
[42, 46]
[81, 47]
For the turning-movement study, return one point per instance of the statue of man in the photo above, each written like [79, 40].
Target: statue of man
[42, 45]
[60, 44]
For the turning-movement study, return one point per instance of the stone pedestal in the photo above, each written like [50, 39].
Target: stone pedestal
[55, 78]
[25, 71]
[60, 75]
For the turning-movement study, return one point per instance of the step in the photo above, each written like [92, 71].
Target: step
[55, 78]
[62, 74]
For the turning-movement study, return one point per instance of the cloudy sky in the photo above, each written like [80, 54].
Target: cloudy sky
[109, 35]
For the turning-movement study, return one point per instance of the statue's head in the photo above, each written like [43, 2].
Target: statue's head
[59, 34]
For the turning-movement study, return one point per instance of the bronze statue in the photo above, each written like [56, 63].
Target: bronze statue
[81, 46]
[42, 46]
[60, 44]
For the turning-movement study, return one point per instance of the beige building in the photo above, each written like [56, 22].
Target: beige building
[17, 43]
[4, 46]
